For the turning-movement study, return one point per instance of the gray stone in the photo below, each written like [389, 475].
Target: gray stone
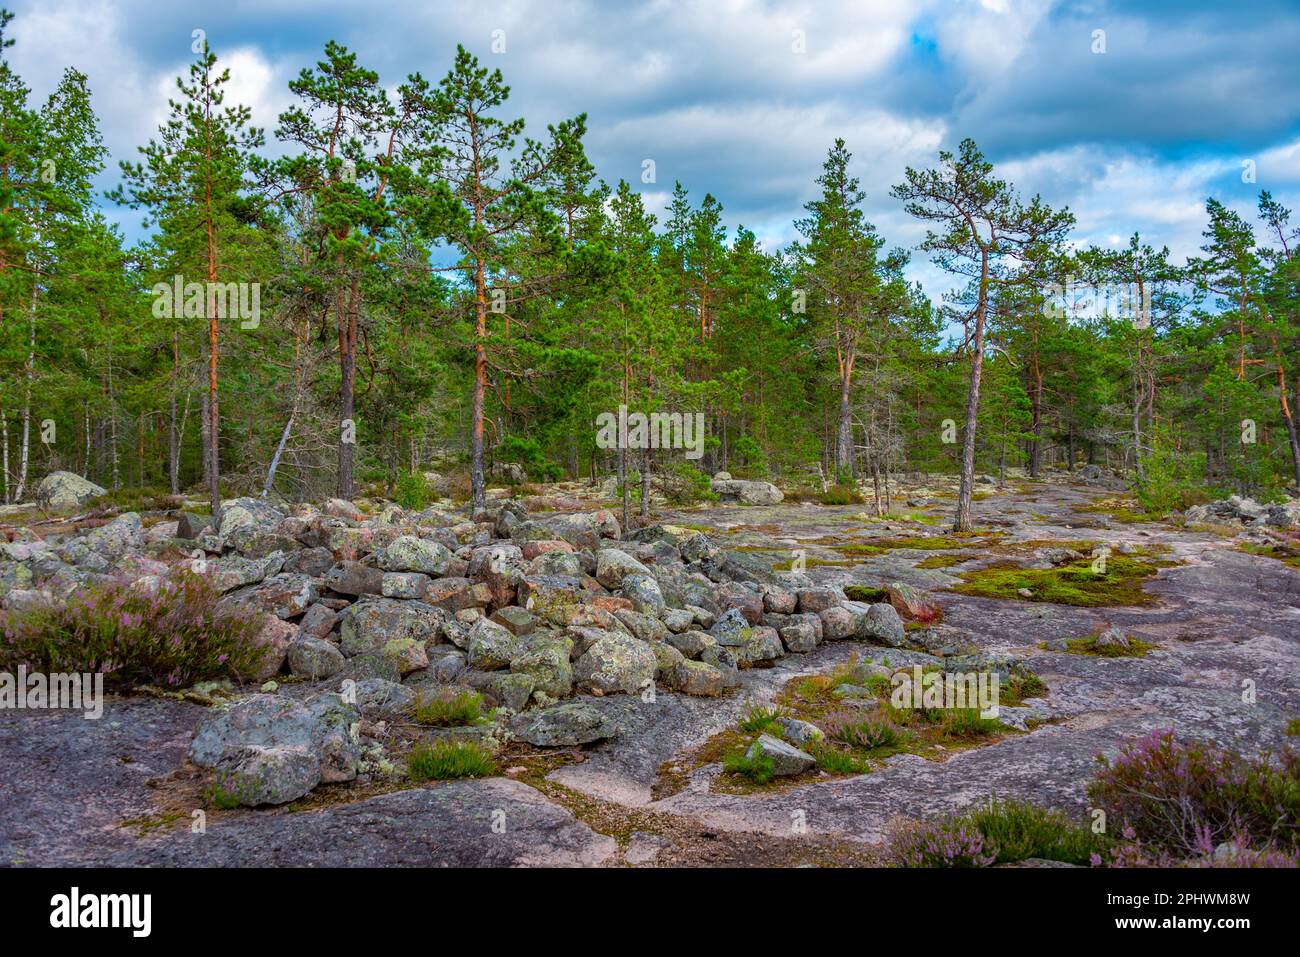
[786, 759]
[564, 726]
[315, 658]
[66, 491]
[256, 775]
[616, 663]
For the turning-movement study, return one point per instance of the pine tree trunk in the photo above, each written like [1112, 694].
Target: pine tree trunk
[349, 308]
[966, 486]
[29, 371]
[478, 482]
[173, 438]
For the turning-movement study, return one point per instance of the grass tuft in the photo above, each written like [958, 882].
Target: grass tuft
[445, 760]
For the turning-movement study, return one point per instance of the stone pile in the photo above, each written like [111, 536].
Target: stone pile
[527, 610]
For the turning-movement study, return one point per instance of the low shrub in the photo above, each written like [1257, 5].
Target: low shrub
[445, 760]
[173, 637]
[867, 733]
[1185, 797]
[1001, 833]
[413, 491]
[967, 723]
[947, 844]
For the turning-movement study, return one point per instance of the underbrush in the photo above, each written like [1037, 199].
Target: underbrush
[1185, 798]
[1159, 803]
[1004, 832]
[172, 638]
[859, 725]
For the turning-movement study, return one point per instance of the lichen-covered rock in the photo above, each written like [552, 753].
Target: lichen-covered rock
[762, 646]
[700, 678]
[491, 646]
[692, 644]
[882, 623]
[799, 637]
[816, 600]
[315, 658]
[564, 725]
[546, 660]
[746, 493]
[786, 759]
[371, 624]
[409, 586]
[731, 630]
[644, 593]
[65, 491]
[799, 732]
[614, 564]
[616, 663]
[353, 578]
[837, 624]
[912, 602]
[275, 638]
[410, 554]
[241, 518]
[641, 626]
[256, 775]
[408, 653]
[286, 595]
[320, 727]
[380, 698]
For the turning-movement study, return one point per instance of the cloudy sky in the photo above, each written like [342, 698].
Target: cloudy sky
[741, 98]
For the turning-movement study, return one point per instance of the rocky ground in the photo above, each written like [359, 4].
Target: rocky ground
[612, 658]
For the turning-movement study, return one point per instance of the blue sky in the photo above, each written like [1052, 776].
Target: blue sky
[719, 96]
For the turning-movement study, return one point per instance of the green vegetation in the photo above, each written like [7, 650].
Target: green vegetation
[444, 760]
[758, 768]
[413, 491]
[1218, 796]
[171, 638]
[1136, 648]
[1072, 584]
[510, 355]
[866, 593]
[1287, 554]
[856, 736]
[1004, 832]
[760, 720]
[942, 561]
[449, 709]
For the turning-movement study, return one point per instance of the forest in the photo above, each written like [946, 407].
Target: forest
[388, 285]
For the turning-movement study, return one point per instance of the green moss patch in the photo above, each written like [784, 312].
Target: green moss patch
[851, 706]
[1284, 554]
[1073, 584]
[942, 561]
[1137, 648]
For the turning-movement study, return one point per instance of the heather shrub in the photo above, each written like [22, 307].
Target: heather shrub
[172, 637]
[946, 844]
[861, 732]
[1002, 832]
[1184, 798]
